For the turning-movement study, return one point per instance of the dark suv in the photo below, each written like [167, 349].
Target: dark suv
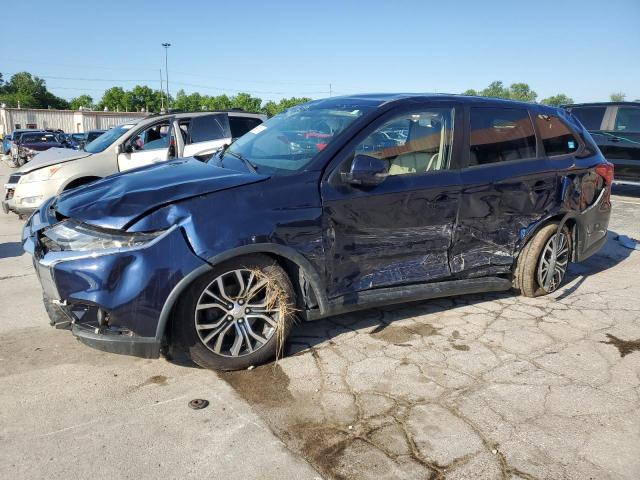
[615, 127]
[336, 205]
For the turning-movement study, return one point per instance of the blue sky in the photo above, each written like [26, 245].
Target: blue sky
[585, 49]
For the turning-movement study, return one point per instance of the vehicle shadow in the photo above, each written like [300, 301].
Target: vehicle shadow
[306, 335]
[10, 249]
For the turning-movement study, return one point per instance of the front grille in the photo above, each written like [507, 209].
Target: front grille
[9, 195]
[15, 178]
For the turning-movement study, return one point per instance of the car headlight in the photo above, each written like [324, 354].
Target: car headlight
[28, 152]
[71, 235]
[40, 175]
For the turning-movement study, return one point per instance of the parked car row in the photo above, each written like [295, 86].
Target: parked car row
[332, 206]
[616, 129]
[154, 139]
[24, 144]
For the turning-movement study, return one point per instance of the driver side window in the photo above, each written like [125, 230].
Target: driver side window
[153, 138]
[412, 143]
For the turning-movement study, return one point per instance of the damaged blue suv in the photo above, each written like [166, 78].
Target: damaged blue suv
[336, 205]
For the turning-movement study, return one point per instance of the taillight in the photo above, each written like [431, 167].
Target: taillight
[605, 170]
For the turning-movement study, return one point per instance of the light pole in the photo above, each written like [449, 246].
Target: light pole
[166, 68]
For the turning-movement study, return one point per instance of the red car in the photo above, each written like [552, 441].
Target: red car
[30, 143]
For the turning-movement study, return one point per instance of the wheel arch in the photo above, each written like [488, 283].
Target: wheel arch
[77, 181]
[298, 268]
[567, 219]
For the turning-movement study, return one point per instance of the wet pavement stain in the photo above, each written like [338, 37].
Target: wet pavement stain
[463, 348]
[155, 380]
[265, 385]
[625, 347]
[399, 334]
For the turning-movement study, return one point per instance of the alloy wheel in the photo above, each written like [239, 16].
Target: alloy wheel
[553, 262]
[233, 315]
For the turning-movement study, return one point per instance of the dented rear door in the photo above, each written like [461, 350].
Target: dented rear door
[507, 186]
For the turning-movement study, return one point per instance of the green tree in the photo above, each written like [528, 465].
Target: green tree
[246, 102]
[142, 96]
[272, 108]
[522, 92]
[29, 91]
[517, 91]
[193, 102]
[219, 102]
[84, 101]
[495, 90]
[112, 99]
[617, 97]
[557, 100]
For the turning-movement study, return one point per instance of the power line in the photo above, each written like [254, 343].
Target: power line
[186, 84]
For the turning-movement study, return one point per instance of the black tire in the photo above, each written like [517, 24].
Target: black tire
[186, 316]
[526, 273]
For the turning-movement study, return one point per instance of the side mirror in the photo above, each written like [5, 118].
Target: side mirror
[366, 171]
[124, 148]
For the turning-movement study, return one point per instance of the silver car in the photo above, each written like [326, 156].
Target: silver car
[156, 138]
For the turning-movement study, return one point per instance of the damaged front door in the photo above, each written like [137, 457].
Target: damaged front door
[399, 231]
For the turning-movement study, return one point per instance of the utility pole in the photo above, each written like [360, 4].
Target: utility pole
[166, 68]
[161, 93]
[330, 90]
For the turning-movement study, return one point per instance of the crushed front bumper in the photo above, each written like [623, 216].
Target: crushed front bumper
[111, 301]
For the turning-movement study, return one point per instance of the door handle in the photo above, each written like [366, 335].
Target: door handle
[615, 139]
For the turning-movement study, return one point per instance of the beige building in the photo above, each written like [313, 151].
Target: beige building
[71, 121]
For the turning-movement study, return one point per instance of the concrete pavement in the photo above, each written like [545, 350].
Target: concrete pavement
[478, 387]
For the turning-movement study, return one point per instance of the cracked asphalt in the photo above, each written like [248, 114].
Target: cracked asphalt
[490, 386]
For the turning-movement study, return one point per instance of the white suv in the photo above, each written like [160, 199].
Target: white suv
[156, 138]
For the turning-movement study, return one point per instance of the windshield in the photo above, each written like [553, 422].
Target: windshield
[101, 143]
[38, 138]
[288, 142]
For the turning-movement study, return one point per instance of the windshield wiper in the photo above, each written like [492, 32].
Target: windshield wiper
[252, 167]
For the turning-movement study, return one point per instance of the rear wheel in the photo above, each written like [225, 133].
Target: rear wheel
[238, 316]
[543, 262]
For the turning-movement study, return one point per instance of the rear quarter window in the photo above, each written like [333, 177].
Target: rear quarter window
[241, 125]
[590, 117]
[627, 119]
[557, 138]
[209, 127]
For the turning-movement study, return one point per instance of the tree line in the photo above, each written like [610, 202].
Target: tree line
[29, 91]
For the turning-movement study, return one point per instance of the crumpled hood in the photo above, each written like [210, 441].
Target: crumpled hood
[51, 157]
[114, 202]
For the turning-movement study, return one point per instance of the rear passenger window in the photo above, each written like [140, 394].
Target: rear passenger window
[557, 139]
[209, 127]
[241, 125]
[628, 120]
[500, 135]
[590, 117]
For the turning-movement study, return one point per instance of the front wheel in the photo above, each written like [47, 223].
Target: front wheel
[543, 262]
[238, 316]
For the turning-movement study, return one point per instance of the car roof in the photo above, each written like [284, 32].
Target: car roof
[179, 115]
[602, 104]
[379, 99]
